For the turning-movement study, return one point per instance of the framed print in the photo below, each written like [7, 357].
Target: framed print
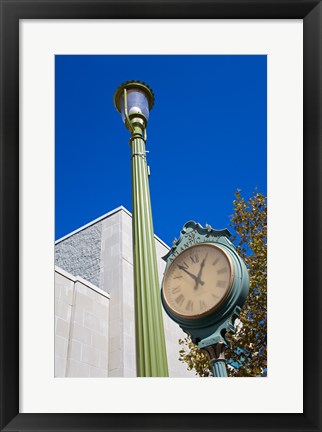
[34, 37]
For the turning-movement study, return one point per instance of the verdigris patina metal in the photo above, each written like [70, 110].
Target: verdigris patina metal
[191, 279]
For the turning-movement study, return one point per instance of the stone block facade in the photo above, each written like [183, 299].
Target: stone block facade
[100, 341]
[81, 327]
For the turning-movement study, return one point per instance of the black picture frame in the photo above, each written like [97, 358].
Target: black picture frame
[311, 13]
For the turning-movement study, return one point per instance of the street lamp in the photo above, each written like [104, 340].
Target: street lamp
[134, 100]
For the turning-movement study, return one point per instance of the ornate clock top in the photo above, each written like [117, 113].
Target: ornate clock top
[193, 233]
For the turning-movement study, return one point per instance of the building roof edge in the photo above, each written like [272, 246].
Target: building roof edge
[99, 219]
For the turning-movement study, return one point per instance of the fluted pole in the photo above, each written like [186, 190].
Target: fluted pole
[150, 341]
[216, 357]
[219, 368]
[134, 100]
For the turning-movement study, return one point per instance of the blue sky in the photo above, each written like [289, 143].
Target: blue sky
[207, 137]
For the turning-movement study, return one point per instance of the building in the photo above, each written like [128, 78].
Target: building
[94, 302]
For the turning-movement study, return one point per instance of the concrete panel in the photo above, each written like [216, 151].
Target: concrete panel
[75, 350]
[104, 361]
[90, 356]
[91, 321]
[81, 339]
[61, 345]
[100, 341]
[112, 282]
[62, 328]
[61, 309]
[60, 367]
[115, 361]
[81, 334]
[77, 369]
[97, 372]
[63, 288]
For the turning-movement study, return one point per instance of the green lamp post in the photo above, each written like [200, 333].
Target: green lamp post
[134, 100]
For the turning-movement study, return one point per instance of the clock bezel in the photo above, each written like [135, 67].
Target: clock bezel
[223, 299]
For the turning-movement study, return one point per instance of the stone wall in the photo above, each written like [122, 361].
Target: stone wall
[115, 264]
[79, 253]
[81, 327]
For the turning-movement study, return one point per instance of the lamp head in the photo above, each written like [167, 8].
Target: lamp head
[134, 100]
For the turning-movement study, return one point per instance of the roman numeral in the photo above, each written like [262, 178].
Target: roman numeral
[177, 277]
[221, 284]
[189, 306]
[175, 290]
[194, 259]
[183, 266]
[215, 262]
[202, 305]
[222, 270]
[215, 296]
[179, 300]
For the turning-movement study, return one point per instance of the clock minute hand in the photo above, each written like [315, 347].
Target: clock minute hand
[198, 279]
[203, 262]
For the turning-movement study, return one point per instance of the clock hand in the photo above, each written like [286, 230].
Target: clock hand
[198, 279]
[190, 274]
[202, 266]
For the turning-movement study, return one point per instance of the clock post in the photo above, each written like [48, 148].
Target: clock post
[216, 356]
[205, 285]
[134, 101]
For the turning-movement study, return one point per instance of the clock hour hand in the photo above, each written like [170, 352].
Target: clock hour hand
[194, 277]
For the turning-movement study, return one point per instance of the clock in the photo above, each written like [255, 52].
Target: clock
[198, 281]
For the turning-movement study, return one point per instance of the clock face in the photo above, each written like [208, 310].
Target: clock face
[198, 281]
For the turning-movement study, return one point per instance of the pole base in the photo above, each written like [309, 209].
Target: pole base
[216, 355]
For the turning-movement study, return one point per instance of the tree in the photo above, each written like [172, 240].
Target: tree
[248, 351]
